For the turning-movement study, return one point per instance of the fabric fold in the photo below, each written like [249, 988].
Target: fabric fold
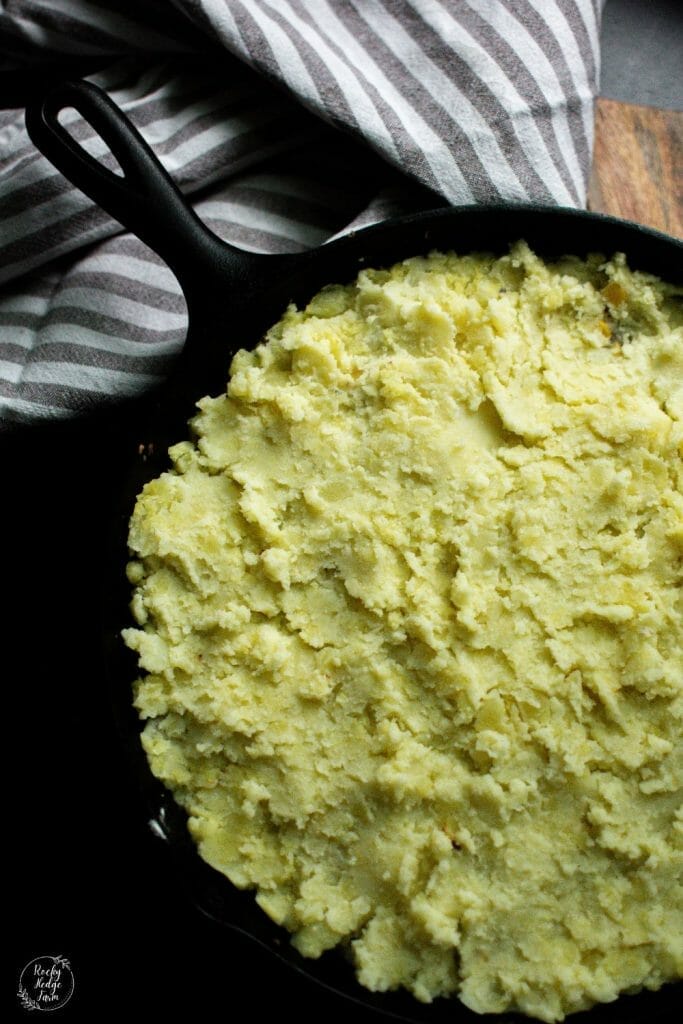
[288, 122]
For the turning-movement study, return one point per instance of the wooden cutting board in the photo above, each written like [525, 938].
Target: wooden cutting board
[638, 165]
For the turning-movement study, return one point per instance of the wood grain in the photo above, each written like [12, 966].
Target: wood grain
[638, 165]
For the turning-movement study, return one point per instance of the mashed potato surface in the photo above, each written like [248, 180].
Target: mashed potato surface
[411, 627]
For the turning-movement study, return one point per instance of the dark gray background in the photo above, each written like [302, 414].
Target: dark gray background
[642, 52]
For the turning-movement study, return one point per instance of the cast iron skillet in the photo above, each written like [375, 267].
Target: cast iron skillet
[232, 297]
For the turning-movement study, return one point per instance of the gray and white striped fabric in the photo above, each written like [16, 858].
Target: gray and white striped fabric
[292, 121]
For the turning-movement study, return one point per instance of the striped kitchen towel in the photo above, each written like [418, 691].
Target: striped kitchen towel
[291, 121]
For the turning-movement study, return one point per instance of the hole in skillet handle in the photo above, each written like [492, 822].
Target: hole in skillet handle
[213, 276]
[81, 131]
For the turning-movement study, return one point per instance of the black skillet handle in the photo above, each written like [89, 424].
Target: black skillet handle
[145, 199]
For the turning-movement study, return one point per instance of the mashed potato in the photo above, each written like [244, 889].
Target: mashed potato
[411, 625]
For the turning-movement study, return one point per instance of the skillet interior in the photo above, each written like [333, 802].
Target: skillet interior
[551, 233]
[232, 298]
